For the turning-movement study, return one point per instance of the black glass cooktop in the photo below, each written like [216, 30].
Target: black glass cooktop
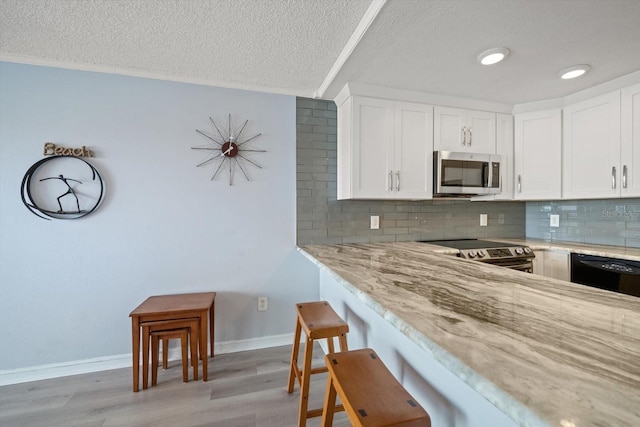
[469, 244]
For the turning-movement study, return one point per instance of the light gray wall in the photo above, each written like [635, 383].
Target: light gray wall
[324, 219]
[67, 287]
[603, 222]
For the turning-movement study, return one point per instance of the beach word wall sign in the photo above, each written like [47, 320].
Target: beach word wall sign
[62, 185]
[51, 149]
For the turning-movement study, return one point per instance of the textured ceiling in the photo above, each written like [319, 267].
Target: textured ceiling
[287, 46]
[290, 46]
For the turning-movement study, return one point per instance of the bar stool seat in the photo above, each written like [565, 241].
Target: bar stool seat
[190, 325]
[318, 320]
[371, 395]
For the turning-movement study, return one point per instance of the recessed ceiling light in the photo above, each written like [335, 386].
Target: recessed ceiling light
[493, 56]
[573, 72]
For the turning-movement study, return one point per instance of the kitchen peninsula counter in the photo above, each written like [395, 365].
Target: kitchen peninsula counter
[541, 350]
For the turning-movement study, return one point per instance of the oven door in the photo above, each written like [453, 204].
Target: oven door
[466, 173]
[520, 264]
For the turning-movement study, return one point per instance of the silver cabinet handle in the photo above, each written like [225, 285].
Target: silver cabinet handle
[519, 183]
[390, 180]
[398, 181]
[624, 176]
[613, 177]
[470, 137]
[464, 135]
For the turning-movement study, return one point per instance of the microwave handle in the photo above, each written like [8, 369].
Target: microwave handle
[487, 174]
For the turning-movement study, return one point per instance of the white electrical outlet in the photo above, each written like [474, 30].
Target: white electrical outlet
[375, 222]
[554, 220]
[483, 220]
[262, 303]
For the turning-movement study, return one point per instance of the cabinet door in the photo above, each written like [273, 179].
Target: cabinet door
[591, 148]
[481, 136]
[504, 147]
[372, 157]
[630, 146]
[413, 173]
[448, 124]
[556, 265]
[537, 155]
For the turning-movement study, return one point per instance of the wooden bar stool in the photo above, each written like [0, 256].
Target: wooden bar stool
[192, 326]
[369, 392]
[318, 320]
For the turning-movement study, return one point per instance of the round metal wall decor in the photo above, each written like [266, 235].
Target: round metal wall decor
[62, 187]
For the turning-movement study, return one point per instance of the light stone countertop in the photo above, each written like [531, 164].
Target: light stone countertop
[544, 351]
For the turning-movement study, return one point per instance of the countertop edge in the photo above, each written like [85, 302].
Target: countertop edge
[487, 389]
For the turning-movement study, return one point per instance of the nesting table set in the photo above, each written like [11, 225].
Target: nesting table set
[160, 308]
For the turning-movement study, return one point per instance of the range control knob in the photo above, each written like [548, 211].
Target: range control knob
[519, 251]
[481, 254]
[471, 254]
[527, 250]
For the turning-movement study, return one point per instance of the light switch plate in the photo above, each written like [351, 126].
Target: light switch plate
[483, 220]
[554, 220]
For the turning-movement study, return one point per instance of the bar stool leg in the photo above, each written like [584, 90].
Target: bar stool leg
[304, 386]
[294, 357]
[329, 404]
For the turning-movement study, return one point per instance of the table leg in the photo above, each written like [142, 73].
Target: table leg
[135, 350]
[203, 344]
[212, 323]
[145, 356]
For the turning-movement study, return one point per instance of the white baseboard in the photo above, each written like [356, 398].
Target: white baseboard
[56, 370]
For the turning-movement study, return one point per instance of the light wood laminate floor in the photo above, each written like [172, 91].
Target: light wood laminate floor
[244, 389]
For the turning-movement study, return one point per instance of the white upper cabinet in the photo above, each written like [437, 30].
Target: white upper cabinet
[504, 147]
[591, 166]
[385, 149]
[456, 129]
[630, 146]
[537, 155]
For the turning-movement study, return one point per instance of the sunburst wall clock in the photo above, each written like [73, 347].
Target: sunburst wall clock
[228, 150]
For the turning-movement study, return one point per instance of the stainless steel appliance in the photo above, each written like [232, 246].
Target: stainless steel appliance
[465, 174]
[611, 274]
[515, 257]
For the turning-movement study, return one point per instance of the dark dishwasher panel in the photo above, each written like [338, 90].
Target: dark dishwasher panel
[611, 274]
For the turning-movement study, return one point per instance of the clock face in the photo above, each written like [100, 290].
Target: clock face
[229, 150]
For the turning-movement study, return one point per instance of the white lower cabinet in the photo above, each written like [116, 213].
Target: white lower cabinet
[385, 149]
[538, 155]
[556, 264]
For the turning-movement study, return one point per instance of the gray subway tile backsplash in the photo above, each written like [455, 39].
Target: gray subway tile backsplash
[322, 219]
[602, 222]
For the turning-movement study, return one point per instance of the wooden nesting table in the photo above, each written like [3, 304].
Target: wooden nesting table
[174, 307]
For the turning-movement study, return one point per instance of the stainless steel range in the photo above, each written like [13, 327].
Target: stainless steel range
[516, 257]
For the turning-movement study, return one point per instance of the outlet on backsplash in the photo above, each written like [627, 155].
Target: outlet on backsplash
[554, 220]
[483, 220]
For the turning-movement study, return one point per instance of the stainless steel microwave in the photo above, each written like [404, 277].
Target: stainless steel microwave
[465, 174]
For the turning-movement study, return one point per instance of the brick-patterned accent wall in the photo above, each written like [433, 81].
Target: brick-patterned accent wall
[322, 219]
